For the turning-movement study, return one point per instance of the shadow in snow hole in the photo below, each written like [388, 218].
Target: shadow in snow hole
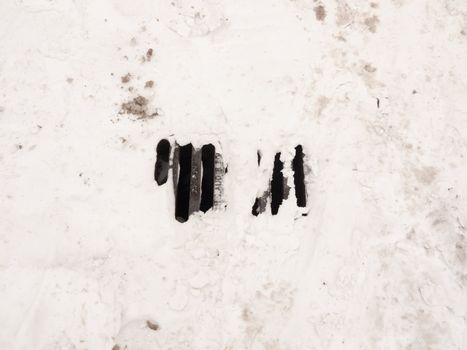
[161, 170]
[182, 197]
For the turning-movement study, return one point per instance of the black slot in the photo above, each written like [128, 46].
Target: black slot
[277, 185]
[161, 170]
[258, 205]
[207, 185]
[299, 177]
[255, 208]
[182, 201]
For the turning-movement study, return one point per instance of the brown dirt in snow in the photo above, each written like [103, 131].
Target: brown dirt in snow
[152, 325]
[320, 12]
[372, 23]
[139, 107]
[149, 55]
[126, 78]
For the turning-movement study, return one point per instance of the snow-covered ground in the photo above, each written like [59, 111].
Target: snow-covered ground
[91, 256]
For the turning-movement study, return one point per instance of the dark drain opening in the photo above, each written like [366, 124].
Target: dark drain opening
[207, 185]
[260, 202]
[299, 177]
[182, 201]
[277, 185]
[161, 170]
[255, 209]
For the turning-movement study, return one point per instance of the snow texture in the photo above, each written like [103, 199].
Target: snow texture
[91, 255]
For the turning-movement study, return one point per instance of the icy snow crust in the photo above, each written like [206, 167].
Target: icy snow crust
[91, 256]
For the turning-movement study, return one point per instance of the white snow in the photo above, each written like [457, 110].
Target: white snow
[89, 246]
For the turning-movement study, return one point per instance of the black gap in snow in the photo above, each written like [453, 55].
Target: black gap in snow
[299, 177]
[255, 208]
[207, 185]
[161, 170]
[182, 200]
[277, 185]
[260, 204]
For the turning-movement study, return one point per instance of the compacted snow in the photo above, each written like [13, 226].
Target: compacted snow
[91, 253]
